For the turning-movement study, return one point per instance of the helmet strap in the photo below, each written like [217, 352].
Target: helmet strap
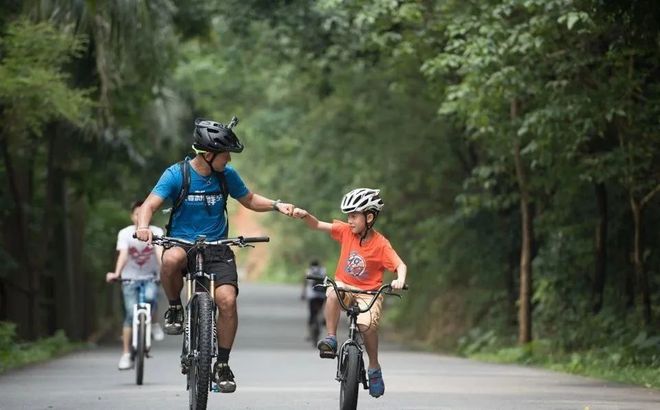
[210, 163]
[368, 224]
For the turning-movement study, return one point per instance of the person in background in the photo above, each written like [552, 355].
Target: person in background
[314, 275]
[136, 261]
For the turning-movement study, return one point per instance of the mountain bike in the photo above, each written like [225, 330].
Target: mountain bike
[350, 364]
[141, 334]
[200, 334]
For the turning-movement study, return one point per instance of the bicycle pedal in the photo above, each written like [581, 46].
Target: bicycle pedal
[327, 354]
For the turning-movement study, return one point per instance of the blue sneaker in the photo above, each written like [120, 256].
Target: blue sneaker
[327, 347]
[376, 383]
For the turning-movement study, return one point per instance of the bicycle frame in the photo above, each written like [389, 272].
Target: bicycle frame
[354, 334]
[145, 308]
[191, 292]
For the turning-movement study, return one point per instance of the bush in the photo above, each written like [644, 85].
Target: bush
[14, 353]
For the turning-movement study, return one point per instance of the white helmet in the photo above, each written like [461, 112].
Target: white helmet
[361, 200]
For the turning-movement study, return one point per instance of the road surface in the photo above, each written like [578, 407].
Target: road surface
[276, 368]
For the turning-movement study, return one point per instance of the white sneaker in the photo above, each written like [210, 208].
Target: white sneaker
[125, 362]
[157, 332]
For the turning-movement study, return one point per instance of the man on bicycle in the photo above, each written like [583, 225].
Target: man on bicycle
[314, 275]
[136, 261]
[202, 211]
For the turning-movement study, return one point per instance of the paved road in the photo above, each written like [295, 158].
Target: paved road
[276, 369]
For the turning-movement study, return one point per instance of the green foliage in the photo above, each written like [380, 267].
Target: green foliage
[632, 362]
[14, 353]
[34, 88]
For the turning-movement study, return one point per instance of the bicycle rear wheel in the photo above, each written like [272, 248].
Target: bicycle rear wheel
[199, 374]
[141, 348]
[350, 371]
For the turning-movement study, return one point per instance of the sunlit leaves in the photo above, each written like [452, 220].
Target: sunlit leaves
[34, 88]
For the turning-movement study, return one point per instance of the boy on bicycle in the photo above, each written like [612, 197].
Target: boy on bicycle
[365, 254]
[136, 261]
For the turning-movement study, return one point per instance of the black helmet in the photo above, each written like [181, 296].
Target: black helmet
[213, 136]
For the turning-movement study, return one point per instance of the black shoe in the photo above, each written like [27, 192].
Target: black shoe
[174, 320]
[224, 377]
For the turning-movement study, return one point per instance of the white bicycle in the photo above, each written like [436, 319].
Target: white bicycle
[141, 340]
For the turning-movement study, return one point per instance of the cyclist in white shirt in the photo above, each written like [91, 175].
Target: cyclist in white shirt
[136, 262]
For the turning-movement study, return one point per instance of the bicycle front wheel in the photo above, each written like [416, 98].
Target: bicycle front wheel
[199, 375]
[350, 371]
[141, 348]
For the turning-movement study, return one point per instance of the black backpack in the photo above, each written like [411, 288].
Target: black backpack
[316, 274]
[185, 187]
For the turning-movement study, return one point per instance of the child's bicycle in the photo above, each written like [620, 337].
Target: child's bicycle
[200, 333]
[141, 335]
[350, 364]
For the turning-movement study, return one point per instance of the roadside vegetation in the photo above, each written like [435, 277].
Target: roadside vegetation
[14, 353]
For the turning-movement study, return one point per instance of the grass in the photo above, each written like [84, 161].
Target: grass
[15, 354]
[610, 363]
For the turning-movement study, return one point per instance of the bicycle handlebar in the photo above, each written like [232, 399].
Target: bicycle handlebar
[384, 289]
[239, 241]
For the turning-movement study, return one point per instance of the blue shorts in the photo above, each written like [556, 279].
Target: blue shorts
[129, 289]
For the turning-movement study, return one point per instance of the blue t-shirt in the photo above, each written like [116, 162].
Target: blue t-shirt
[199, 214]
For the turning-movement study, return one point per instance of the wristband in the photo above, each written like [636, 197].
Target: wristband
[142, 228]
[275, 203]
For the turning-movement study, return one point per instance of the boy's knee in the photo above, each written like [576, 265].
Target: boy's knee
[368, 328]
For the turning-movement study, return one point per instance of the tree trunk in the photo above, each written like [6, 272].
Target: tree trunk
[527, 219]
[638, 258]
[600, 251]
[513, 263]
[18, 175]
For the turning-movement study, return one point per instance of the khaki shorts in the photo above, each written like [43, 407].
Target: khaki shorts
[369, 319]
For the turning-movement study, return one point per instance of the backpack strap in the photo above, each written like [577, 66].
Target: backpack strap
[225, 197]
[185, 187]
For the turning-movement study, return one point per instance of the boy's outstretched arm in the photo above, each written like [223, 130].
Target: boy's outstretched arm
[311, 220]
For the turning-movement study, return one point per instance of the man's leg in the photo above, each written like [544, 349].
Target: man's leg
[151, 297]
[126, 333]
[129, 294]
[227, 324]
[225, 298]
[174, 261]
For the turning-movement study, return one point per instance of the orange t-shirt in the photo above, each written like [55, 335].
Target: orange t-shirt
[362, 266]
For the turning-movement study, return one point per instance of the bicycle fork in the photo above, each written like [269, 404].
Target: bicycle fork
[352, 340]
[188, 354]
[141, 308]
